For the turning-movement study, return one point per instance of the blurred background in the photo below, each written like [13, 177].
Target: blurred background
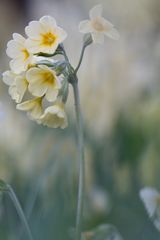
[120, 92]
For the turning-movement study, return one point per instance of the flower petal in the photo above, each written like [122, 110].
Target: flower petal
[113, 34]
[98, 37]
[54, 117]
[48, 23]
[13, 49]
[85, 26]
[61, 33]
[21, 85]
[51, 94]
[33, 107]
[17, 65]
[9, 78]
[18, 38]
[37, 90]
[34, 46]
[14, 94]
[96, 11]
[34, 29]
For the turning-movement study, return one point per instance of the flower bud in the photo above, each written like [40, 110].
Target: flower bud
[87, 39]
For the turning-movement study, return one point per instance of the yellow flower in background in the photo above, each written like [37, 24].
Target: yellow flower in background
[17, 85]
[43, 81]
[33, 107]
[44, 35]
[21, 57]
[54, 116]
[98, 26]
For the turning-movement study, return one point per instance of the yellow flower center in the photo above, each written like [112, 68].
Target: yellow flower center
[26, 54]
[49, 78]
[98, 25]
[48, 39]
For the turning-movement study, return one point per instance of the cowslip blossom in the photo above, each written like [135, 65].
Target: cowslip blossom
[17, 85]
[33, 107]
[32, 80]
[151, 200]
[43, 81]
[98, 26]
[54, 116]
[44, 35]
[21, 57]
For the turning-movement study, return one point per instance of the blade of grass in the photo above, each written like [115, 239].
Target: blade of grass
[6, 188]
[20, 212]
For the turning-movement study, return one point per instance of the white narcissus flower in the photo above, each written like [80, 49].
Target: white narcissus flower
[43, 81]
[54, 116]
[44, 35]
[17, 85]
[151, 200]
[21, 58]
[98, 26]
[33, 107]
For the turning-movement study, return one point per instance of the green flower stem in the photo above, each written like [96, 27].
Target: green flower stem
[19, 210]
[81, 187]
[81, 58]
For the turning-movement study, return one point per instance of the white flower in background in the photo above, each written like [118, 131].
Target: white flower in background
[33, 107]
[21, 57]
[44, 35]
[98, 26]
[17, 85]
[43, 81]
[54, 116]
[151, 200]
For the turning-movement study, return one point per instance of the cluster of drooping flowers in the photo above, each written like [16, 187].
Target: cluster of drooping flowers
[37, 82]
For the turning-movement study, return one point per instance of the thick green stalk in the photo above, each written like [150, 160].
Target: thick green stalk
[80, 136]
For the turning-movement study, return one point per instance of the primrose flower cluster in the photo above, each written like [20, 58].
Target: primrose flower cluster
[38, 83]
[35, 87]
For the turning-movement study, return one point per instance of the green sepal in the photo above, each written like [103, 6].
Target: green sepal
[59, 51]
[87, 39]
[64, 91]
[59, 66]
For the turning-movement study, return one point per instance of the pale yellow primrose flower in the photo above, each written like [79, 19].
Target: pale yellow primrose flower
[54, 116]
[98, 26]
[21, 58]
[33, 107]
[17, 85]
[43, 81]
[44, 35]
